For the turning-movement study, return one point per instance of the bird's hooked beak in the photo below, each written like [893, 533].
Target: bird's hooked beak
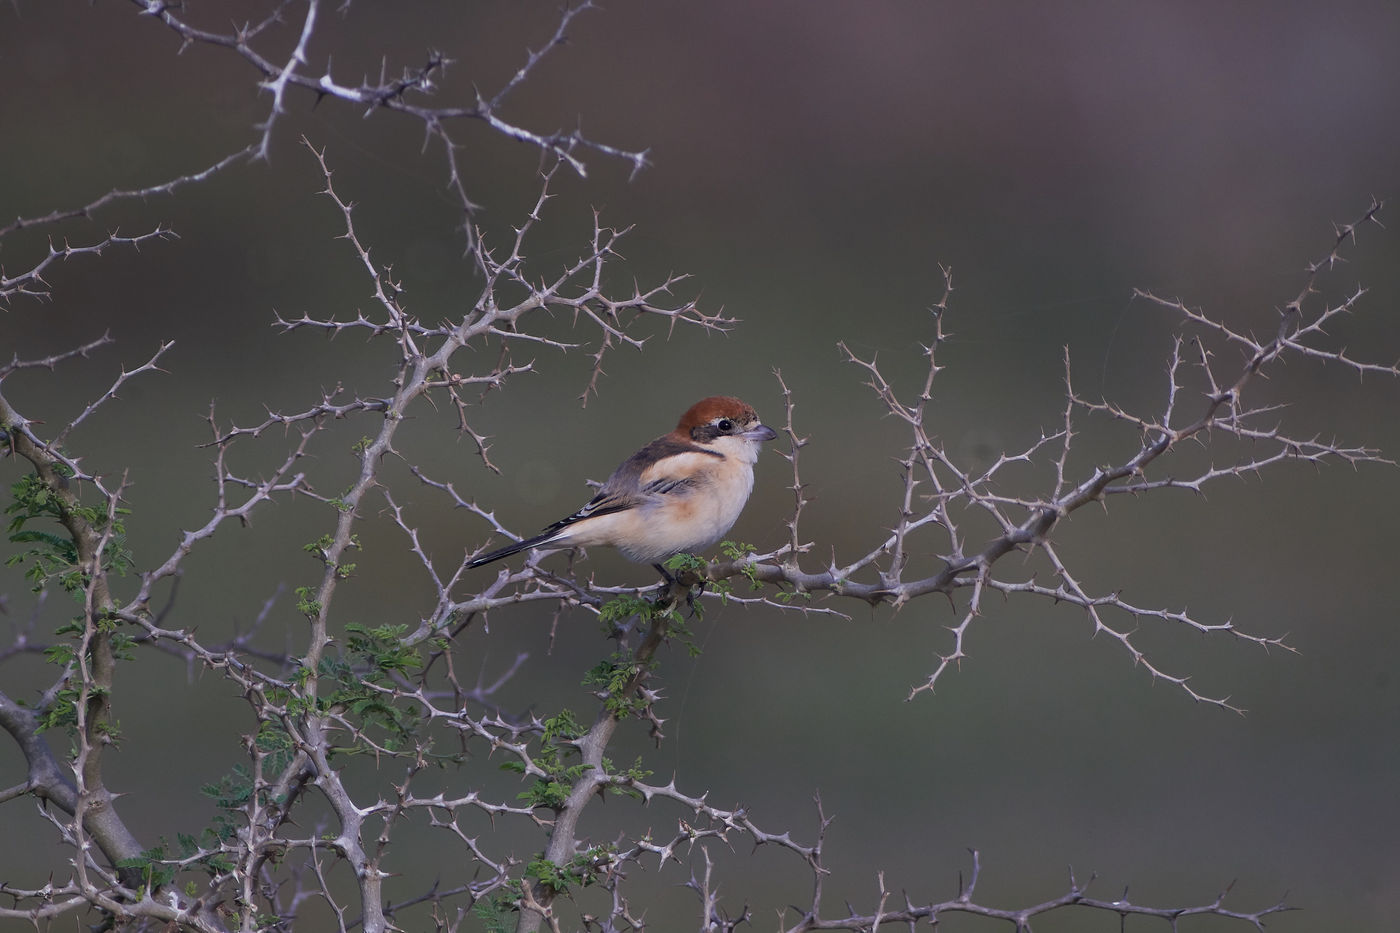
[759, 432]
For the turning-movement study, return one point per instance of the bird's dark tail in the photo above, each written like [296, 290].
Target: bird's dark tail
[510, 549]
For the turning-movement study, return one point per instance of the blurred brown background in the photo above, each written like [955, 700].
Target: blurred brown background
[813, 164]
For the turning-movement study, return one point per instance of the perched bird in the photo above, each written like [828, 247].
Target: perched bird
[678, 494]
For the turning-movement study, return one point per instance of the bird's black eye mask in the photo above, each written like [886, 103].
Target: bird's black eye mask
[717, 428]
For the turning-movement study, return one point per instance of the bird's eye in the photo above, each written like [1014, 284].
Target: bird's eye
[725, 425]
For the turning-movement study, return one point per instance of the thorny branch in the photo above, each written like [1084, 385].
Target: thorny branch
[406, 94]
[304, 708]
[291, 700]
[303, 824]
[1027, 523]
[401, 94]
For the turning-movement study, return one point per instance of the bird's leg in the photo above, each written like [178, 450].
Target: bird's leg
[666, 593]
[693, 593]
[686, 579]
[673, 585]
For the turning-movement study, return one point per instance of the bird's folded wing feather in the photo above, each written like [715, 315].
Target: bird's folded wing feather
[665, 466]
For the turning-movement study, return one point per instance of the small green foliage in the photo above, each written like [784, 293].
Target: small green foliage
[74, 627]
[723, 587]
[151, 863]
[626, 606]
[60, 653]
[373, 657]
[306, 605]
[277, 745]
[736, 550]
[739, 551]
[497, 911]
[613, 677]
[382, 647]
[340, 503]
[552, 794]
[678, 628]
[556, 741]
[63, 711]
[687, 563]
[561, 726]
[50, 556]
[549, 875]
[319, 547]
[235, 789]
[360, 446]
[613, 674]
[623, 607]
[634, 773]
[232, 793]
[122, 645]
[583, 869]
[54, 557]
[110, 730]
